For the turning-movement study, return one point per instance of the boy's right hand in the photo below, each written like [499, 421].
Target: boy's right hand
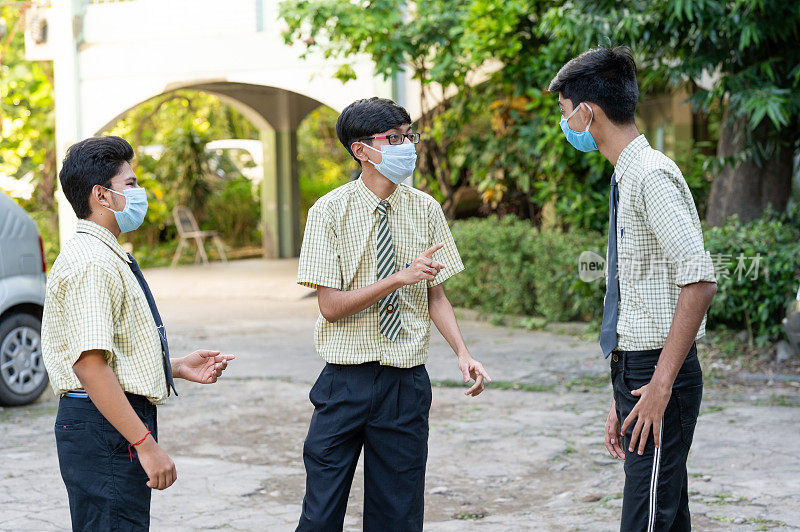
[157, 464]
[612, 434]
[424, 268]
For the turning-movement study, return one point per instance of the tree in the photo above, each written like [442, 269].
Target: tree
[27, 116]
[181, 123]
[746, 53]
[488, 63]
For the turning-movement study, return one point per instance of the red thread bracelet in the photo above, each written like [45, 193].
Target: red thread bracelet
[130, 453]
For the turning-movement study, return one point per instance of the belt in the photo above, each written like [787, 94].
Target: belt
[77, 393]
[617, 353]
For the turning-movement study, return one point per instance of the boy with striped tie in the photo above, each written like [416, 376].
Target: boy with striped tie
[377, 251]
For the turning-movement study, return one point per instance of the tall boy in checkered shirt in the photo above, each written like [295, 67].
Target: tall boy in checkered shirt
[377, 251]
[660, 285]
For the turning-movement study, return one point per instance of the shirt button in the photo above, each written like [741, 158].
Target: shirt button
[615, 357]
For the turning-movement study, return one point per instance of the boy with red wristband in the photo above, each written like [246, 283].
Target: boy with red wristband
[105, 348]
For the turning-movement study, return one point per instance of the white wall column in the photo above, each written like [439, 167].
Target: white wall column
[64, 23]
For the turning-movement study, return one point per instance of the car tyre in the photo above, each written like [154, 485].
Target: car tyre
[23, 377]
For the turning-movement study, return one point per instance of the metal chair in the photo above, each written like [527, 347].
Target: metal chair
[189, 230]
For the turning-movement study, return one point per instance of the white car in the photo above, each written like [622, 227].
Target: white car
[23, 377]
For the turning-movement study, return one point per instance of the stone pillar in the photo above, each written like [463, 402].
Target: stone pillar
[288, 192]
[270, 215]
[280, 194]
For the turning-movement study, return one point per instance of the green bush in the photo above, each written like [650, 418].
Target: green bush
[513, 268]
[48, 228]
[750, 299]
[234, 211]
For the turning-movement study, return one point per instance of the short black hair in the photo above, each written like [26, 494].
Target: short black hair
[368, 117]
[605, 76]
[90, 162]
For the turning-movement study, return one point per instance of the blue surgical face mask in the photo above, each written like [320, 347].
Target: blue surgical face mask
[397, 161]
[132, 216]
[580, 140]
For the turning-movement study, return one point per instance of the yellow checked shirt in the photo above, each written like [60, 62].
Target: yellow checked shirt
[339, 251]
[659, 245]
[94, 301]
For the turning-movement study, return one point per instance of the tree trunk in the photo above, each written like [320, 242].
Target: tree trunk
[748, 189]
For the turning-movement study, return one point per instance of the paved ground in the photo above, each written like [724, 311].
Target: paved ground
[529, 458]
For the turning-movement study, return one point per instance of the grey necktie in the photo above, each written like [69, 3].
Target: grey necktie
[389, 315]
[608, 331]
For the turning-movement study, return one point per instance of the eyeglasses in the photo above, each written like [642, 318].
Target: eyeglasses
[397, 138]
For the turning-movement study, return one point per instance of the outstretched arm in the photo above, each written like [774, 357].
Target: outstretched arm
[444, 318]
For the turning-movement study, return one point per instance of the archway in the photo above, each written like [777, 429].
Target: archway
[276, 114]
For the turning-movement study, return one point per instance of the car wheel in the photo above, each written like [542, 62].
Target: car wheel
[23, 377]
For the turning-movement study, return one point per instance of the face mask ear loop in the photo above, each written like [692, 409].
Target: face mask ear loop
[370, 147]
[115, 192]
[590, 118]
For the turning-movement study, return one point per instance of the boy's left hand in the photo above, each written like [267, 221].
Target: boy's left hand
[472, 369]
[203, 366]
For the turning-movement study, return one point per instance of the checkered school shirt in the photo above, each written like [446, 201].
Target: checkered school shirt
[94, 301]
[339, 251]
[659, 245]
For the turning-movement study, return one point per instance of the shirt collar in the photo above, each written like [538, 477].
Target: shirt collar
[103, 235]
[629, 154]
[372, 200]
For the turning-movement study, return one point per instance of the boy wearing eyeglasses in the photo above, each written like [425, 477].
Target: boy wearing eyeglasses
[377, 251]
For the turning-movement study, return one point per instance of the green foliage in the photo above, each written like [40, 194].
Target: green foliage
[749, 46]
[27, 113]
[514, 268]
[235, 210]
[500, 133]
[322, 162]
[181, 123]
[48, 229]
[755, 298]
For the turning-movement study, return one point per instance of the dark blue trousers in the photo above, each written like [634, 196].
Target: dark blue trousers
[385, 410]
[106, 490]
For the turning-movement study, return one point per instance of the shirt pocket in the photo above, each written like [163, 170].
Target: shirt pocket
[407, 248]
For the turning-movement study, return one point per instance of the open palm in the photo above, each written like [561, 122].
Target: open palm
[204, 366]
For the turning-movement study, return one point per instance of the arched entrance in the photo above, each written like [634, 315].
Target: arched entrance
[276, 113]
[111, 56]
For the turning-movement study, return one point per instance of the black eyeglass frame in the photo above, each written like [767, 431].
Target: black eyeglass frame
[400, 138]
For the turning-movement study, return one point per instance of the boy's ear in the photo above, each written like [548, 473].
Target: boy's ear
[359, 151]
[98, 194]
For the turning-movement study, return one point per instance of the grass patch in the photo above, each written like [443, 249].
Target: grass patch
[712, 410]
[470, 516]
[724, 499]
[761, 524]
[605, 501]
[589, 381]
[779, 400]
[498, 385]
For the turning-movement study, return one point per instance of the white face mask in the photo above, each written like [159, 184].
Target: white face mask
[397, 161]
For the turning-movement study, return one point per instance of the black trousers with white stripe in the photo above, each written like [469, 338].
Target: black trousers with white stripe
[656, 495]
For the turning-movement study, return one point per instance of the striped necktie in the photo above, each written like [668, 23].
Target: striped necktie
[389, 315]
